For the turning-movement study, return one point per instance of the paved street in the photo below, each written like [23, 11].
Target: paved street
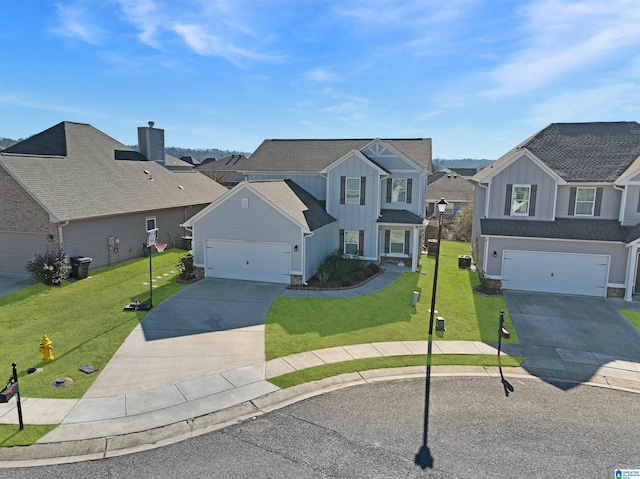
[375, 430]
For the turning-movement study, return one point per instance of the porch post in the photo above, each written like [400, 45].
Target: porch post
[416, 249]
[632, 261]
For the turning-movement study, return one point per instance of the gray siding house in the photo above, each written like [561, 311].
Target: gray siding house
[560, 212]
[304, 199]
[74, 188]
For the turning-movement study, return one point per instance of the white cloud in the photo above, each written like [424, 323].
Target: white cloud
[75, 23]
[563, 37]
[146, 16]
[204, 43]
[323, 75]
[26, 101]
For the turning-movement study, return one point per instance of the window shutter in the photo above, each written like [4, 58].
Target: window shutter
[409, 189]
[341, 246]
[572, 201]
[598, 206]
[343, 181]
[361, 243]
[532, 200]
[388, 190]
[507, 200]
[363, 188]
[387, 240]
[407, 237]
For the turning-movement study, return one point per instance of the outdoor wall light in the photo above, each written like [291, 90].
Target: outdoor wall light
[295, 248]
[495, 254]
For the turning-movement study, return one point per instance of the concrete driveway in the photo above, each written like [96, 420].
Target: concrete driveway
[208, 327]
[576, 334]
[10, 282]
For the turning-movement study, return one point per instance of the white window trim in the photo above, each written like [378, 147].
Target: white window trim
[513, 197]
[357, 243]
[593, 202]
[393, 191]
[391, 253]
[146, 222]
[347, 199]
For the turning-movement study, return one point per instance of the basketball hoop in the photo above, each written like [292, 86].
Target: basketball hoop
[160, 246]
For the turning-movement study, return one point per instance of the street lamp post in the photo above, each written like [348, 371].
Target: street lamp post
[442, 205]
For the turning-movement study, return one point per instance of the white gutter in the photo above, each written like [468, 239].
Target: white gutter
[623, 202]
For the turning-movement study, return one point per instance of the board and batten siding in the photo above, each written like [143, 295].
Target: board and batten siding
[322, 243]
[418, 193]
[617, 251]
[258, 222]
[356, 217]
[632, 206]
[609, 207]
[523, 171]
[312, 183]
[90, 237]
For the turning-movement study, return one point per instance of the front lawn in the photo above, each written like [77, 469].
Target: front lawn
[84, 320]
[295, 324]
[633, 317]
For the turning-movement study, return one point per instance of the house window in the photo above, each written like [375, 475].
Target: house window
[399, 190]
[396, 241]
[351, 242]
[245, 203]
[352, 191]
[520, 199]
[151, 223]
[585, 201]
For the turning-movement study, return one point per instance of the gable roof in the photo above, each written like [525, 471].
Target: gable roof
[71, 170]
[295, 202]
[315, 155]
[581, 152]
[451, 187]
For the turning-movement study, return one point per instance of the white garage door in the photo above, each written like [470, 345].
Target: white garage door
[248, 260]
[18, 248]
[566, 273]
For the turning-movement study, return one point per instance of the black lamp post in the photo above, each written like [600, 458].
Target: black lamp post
[502, 332]
[442, 205]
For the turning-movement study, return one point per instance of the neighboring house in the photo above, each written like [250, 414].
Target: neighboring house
[561, 211]
[226, 171]
[304, 199]
[454, 187]
[75, 188]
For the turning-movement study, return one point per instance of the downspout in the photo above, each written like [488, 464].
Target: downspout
[303, 249]
[632, 260]
[623, 202]
[60, 241]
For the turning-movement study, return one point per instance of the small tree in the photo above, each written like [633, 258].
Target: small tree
[49, 268]
[186, 267]
[462, 224]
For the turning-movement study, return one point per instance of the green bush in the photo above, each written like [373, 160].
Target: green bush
[346, 281]
[49, 268]
[374, 267]
[358, 276]
[367, 272]
[186, 267]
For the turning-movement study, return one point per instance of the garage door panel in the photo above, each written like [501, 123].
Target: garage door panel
[248, 260]
[18, 248]
[584, 274]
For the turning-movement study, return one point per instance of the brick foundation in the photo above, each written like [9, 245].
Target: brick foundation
[295, 280]
[615, 292]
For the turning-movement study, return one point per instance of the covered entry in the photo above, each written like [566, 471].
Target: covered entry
[248, 260]
[568, 273]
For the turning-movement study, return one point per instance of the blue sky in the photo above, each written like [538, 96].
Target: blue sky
[476, 76]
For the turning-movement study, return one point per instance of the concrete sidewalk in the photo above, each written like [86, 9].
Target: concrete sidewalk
[117, 418]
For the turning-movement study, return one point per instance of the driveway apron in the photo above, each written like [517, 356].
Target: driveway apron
[209, 327]
[579, 334]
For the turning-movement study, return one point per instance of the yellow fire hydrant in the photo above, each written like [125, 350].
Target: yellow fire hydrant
[46, 348]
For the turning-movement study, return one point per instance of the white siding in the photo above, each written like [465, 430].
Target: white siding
[259, 222]
[609, 208]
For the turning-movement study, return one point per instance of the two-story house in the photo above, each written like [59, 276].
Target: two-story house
[304, 199]
[560, 212]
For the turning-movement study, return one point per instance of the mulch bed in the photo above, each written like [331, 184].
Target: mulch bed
[331, 285]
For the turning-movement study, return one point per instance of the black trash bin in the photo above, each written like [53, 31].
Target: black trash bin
[80, 267]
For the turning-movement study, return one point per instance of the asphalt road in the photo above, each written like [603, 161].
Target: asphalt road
[374, 431]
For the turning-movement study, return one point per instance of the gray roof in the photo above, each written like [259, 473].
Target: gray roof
[451, 187]
[315, 155]
[400, 217]
[72, 172]
[581, 152]
[225, 170]
[295, 202]
[561, 228]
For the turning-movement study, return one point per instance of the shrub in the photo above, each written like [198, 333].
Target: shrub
[186, 268]
[323, 277]
[367, 272]
[346, 281]
[48, 268]
[374, 267]
[358, 276]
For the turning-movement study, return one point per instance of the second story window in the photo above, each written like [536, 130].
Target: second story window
[352, 191]
[399, 190]
[585, 201]
[520, 196]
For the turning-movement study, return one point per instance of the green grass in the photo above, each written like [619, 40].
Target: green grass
[84, 320]
[327, 370]
[633, 317]
[10, 435]
[296, 324]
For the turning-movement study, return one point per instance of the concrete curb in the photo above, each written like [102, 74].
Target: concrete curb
[93, 449]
